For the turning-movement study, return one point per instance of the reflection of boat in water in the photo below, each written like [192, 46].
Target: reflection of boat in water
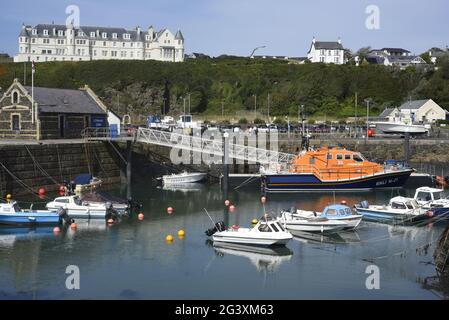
[9, 235]
[184, 187]
[349, 236]
[263, 258]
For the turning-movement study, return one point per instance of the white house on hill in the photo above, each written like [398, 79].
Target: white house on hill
[327, 52]
[423, 111]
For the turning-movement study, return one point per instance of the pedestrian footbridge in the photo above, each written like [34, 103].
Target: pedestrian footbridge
[191, 143]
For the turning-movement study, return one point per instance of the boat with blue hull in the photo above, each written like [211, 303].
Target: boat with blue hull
[399, 210]
[435, 201]
[333, 169]
[12, 214]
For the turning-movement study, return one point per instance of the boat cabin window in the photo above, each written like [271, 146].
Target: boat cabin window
[347, 157]
[77, 200]
[273, 226]
[423, 196]
[62, 200]
[331, 212]
[409, 205]
[398, 205]
[348, 211]
[357, 157]
[312, 161]
[16, 207]
[264, 228]
[339, 157]
[438, 195]
[280, 227]
[329, 156]
[342, 212]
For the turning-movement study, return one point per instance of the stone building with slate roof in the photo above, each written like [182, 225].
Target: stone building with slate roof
[327, 52]
[58, 113]
[52, 42]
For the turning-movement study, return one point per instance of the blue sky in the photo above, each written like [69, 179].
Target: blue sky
[215, 27]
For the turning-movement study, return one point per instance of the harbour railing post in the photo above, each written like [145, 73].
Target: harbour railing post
[407, 147]
[129, 152]
[225, 180]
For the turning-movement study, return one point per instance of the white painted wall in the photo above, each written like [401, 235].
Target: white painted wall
[113, 119]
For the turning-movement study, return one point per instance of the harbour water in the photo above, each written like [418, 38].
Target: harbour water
[132, 260]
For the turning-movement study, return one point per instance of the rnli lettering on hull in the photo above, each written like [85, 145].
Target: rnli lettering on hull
[385, 182]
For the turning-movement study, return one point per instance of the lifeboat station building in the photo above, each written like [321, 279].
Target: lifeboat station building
[56, 114]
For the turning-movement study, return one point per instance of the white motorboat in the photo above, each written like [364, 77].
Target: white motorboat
[76, 208]
[334, 212]
[184, 177]
[267, 232]
[398, 210]
[294, 222]
[399, 128]
[433, 200]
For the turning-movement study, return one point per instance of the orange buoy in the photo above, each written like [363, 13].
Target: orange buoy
[41, 191]
[111, 221]
[227, 203]
[56, 230]
[169, 210]
[73, 226]
[140, 216]
[343, 202]
[231, 208]
[263, 199]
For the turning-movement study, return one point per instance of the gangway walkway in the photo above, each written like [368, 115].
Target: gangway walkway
[191, 143]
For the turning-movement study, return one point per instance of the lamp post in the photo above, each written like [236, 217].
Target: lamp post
[222, 108]
[268, 105]
[255, 105]
[255, 49]
[189, 101]
[368, 100]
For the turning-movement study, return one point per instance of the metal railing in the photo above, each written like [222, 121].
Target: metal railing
[192, 143]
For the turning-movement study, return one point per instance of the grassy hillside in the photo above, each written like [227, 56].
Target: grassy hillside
[144, 87]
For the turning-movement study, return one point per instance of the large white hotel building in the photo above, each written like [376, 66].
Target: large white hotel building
[51, 42]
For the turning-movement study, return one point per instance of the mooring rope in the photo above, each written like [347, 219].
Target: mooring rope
[40, 167]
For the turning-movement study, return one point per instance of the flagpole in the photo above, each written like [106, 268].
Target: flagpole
[32, 93]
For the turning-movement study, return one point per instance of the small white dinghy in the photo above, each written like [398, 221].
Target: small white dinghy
[267, 232]
[184, 177]
[294, 222]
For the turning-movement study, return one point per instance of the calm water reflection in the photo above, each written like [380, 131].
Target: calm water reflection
[131, 260]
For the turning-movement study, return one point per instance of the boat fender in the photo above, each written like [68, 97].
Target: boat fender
[429, 213]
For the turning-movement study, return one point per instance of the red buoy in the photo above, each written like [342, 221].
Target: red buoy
[56, 230]
[41, 191]
[232, 208]
[61, 188]
[343, 202]
[73, 226]
[140, 216]
[227, 203]
[110, 221]
[169, 210]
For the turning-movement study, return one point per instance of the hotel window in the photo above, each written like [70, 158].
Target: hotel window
[336, 53]
[45, 32]
[322, 52]
[80, 34]
[104, 53]
[33, 40]
[15, 122]
[131, 54]
[104, 35]
[60, 33]
[114, 35]
[92, 34]
[321, 59]
[132, 44]
[147, 38]
[329, 52]
[123, 44]
[337, 60]
[104, 43]
[34, 32]
[95, 53]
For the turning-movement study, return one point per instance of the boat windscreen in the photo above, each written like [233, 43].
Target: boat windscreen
[263, 227]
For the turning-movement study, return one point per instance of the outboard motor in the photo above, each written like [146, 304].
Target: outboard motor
[133, 205]
[219, 226]
[293, 210]
[111, 213]
[62, 212]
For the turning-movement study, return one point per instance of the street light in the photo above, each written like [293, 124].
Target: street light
[367, 100]
[255, 105]
[255, 49]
